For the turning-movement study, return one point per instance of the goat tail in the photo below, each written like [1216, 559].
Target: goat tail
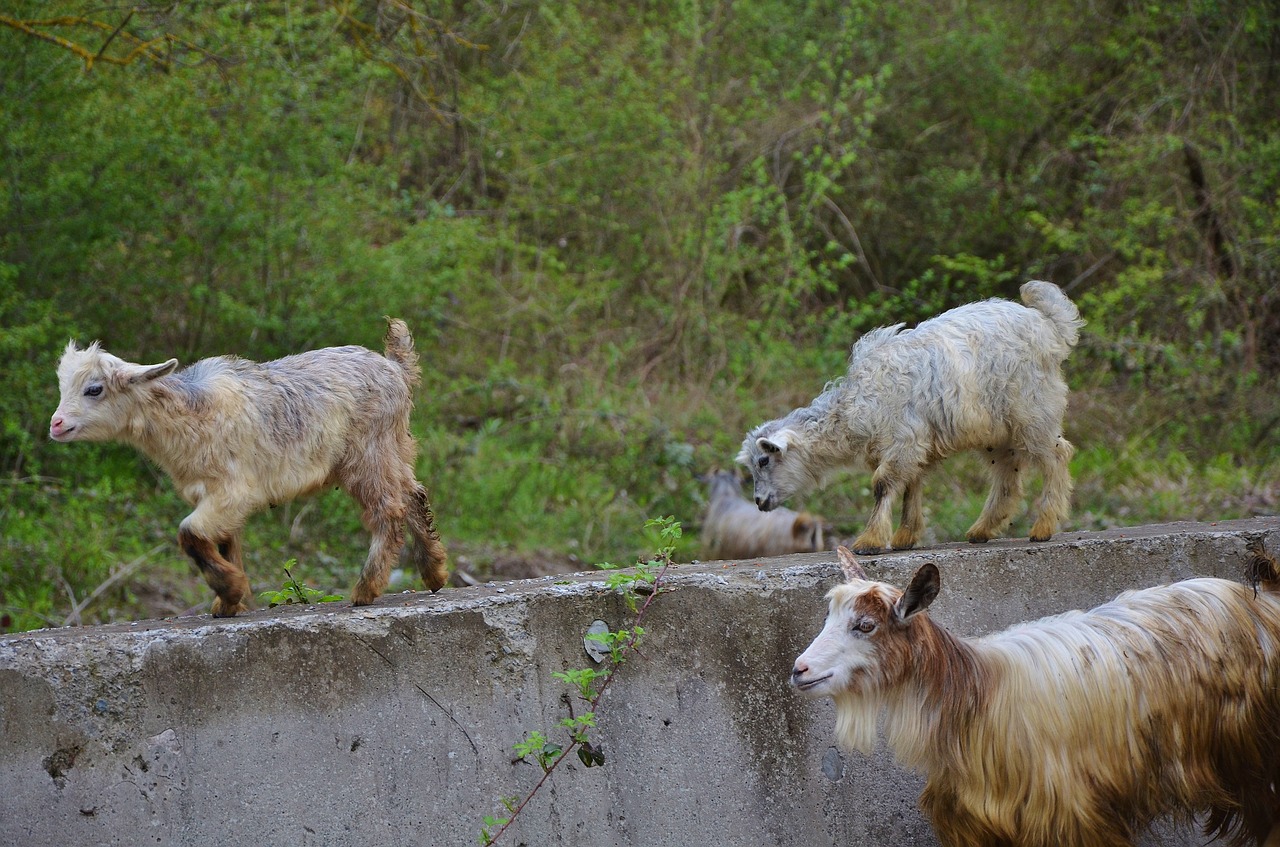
[427, 551]
[399, 349]
[1048, 299]
[1261, 568]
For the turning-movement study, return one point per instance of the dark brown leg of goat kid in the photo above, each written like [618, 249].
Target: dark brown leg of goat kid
[219, 563]
[387, 531]
[428, 551]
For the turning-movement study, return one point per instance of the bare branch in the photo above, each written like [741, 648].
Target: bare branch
[116, 576]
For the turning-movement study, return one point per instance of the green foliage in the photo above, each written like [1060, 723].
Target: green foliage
[537, 747]
[294, 591]
[31, 335]
[66, 536]
[492, 825]
[617, 643]
[640, 580]
[622, 237]
[591, 684]
[582, 678]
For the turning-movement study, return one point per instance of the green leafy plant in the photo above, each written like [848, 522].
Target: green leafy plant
[492, 824]
[537, 747]
[295, 592]
[582, 678]
[644, 580]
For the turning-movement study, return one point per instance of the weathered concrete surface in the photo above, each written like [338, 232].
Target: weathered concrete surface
[393, 725]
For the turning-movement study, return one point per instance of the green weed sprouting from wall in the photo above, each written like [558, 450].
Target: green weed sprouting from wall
[295, 592]
[644, 580]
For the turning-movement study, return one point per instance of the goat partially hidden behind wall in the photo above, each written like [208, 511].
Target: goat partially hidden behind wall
[735, 529]
[237, 437]
[1072, 731]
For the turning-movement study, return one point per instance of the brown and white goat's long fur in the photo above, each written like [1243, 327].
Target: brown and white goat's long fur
[735, 529]
[238, 436]
[1072, 731]
[986, 376]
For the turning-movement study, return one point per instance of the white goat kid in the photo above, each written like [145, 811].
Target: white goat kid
[735, 529]
[237, 437]
[986, 377]
[1073, 731]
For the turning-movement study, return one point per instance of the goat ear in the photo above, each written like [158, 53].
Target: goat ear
[920, 593]
[849, 564]
[775, 444]
[801, 526]
[145, 373]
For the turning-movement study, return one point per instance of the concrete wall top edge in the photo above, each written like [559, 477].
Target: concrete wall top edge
[793, 571]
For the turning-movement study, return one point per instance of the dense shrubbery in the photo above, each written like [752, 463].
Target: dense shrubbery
[622, 235]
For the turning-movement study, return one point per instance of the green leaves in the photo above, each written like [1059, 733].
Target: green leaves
[582, 679]
[537, 747]
[577, 726]
[591, 684]
[590, 755]
[294, 591]
[492, 825]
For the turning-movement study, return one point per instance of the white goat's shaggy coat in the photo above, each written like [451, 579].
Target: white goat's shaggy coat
[237, 437]
[1072, 731]
[985, 377]
[735, 529]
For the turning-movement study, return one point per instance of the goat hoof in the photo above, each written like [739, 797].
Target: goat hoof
[221, 609]
[979, 539]
[436, 581]
[1041, 537]
[868, 551]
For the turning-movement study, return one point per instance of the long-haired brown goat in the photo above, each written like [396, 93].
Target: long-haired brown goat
[238, 436]
[1072, 731]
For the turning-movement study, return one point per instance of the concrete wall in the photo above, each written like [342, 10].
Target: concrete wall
[393, 725]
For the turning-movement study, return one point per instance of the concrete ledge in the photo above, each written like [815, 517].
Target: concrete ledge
[393, 725]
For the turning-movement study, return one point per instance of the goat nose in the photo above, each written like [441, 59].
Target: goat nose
[799, 670]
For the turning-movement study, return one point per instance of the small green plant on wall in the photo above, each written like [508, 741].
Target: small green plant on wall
[642, 581]
[295, 592]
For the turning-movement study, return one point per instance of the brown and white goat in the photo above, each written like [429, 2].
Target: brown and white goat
[735, 529]
[1072, 731]
[238, 436]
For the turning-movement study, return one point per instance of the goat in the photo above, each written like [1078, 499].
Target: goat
[985, 375]
[735, 529]
[237, 436]
[1072, 731]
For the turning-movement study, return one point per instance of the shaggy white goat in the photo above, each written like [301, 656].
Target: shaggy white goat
[986, 376]
[735, 529]
[238, 436]
[1072, 731]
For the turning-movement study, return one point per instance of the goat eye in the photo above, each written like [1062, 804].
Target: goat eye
[864, 625]
[93, 391]
[762, 462]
